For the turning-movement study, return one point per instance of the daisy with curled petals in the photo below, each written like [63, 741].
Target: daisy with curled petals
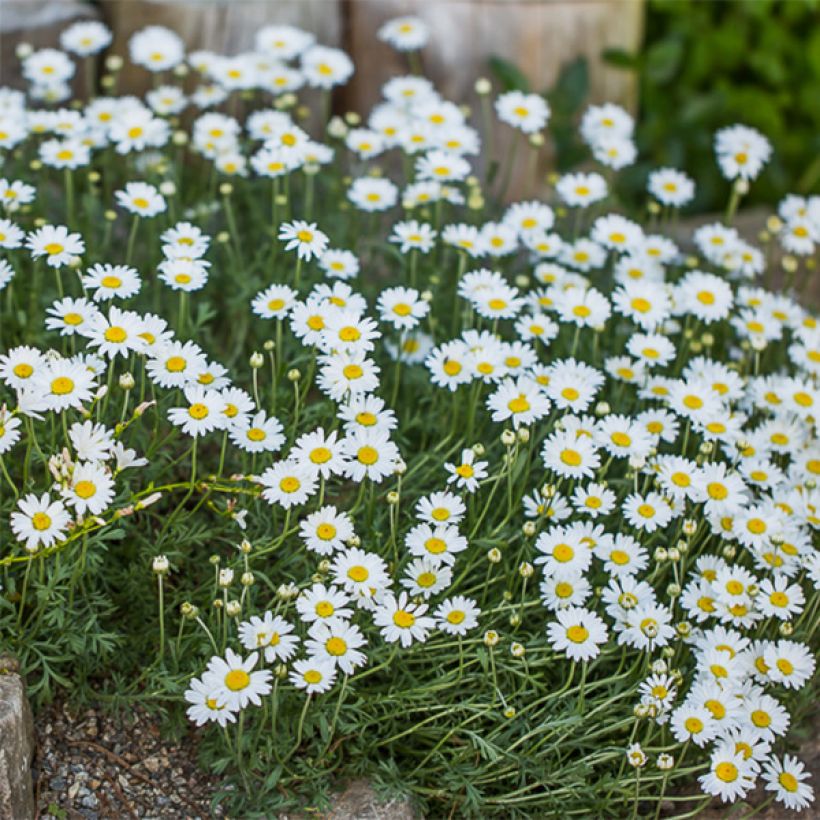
[521, 400]
[260, 434]
[71, 316]
[271, 634]
[787, 779]
[457, 615]
[402, 307]
[326, 530]
[468, 472]
[91, 442]
[321, 603]
[577, 632]
[91, 489]
[56, 244]
[112, 281]
[370, 454]
[314, 675]
[274, 302]
[288, 484]
[303, 237]
[570, 456]
[40, 521]
[237, 683]
[202, 414]
[207, 704]
[403, 621]
[337, 642]
[730, 775]
[141, 199]
[441, 508]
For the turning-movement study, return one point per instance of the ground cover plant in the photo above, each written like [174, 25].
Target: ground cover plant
[311, 442]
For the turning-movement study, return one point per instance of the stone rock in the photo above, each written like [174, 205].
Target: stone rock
[360, 802]
[16, 744]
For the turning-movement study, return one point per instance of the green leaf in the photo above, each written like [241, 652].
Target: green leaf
[663, 60]
[572, 86]
[620, 58]
[508, 74]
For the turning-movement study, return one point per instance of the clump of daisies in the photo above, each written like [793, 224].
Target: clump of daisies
[307, 431]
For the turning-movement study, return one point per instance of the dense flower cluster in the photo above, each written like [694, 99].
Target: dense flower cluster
[633, 417]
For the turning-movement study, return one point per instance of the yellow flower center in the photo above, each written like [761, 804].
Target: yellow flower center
[62, 386]
[320, 455]
[358, 574]
[367, 455]
[85, 489]
[237, 679]
[198, 411]
[40, 521]
[577, 633]
[404, 619]
[290, 484]
[335, 646]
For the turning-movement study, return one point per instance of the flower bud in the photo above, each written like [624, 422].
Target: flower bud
[256, 360]
[160, 565]
[225, 578]
[665, 762]
[526, 569]
[491, 638]
[517, 650]
[247, 579]
[233, 609]
[508, 438]
[127, 381]
[494, 555]
[393, 498]
[529, 528]
[483, 87]
[294, 374]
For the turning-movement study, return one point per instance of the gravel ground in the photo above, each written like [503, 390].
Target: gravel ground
[92, 766]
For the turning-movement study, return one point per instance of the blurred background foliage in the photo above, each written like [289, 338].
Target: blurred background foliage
[705, 65]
